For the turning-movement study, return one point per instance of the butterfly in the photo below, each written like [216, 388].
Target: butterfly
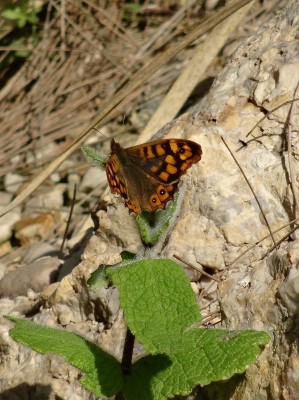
[146, 176]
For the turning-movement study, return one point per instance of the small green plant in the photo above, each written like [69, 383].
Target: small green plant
[21, 14]
[24, 13]
[161, 311]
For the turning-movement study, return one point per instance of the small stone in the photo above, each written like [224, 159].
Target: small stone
[12, 182]
[52, 198]
[5, 248]
[73, 179]
[36, 276]
[65, 315]
[211, 4]
[55, 177]
[39, 250]
[42, 153]
[69, 265]
[34, 228]
[2, 270]
[5, 198]
[7, 222]
[289, 292]
[92, 178]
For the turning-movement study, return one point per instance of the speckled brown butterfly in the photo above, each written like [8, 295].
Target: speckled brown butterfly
[147, 175]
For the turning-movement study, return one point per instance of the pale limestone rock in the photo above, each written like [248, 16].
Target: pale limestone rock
[47, 199]
[35, 276]
[69, 264]
[12, 182]
[83, 231]
[289, 292]
[211, 4]
[92, 178]
[33, 228]
[5, 198]
[119, 228]
[39, 250]
[7, 223]
[2, 270]
[72, 180]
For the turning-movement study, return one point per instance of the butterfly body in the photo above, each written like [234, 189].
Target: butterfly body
[147, 175]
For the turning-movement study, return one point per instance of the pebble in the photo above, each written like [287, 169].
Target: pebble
[7, 223]
[49, 198]
[35, 276]
[12, 182]
[34, 228]
[92, 178]
[39, 250]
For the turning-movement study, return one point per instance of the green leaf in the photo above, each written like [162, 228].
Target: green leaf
[160, 309]
[26, 12]
[152, 226]
[98, 279]
[208, 355]
[93, 157]
[11, 13]
[158, 302]
[103, 374]
[22, 21]
[146, 379]
[132, 7]
[32, 18]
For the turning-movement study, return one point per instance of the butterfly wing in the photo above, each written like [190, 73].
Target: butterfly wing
[147, 176]
[139, 190]
[165, 160]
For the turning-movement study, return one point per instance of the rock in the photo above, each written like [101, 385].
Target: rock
[211, 4]
[92, 178]
[5, 198]
[55, 177]
[42, 153]
[86, 228]
[31, 229]
[36, 276]
[7, 223]
[12, 182]
[2, 270]
[47, 198]
[69, 264]
[73, 179]
[39, 250]
[289, 292]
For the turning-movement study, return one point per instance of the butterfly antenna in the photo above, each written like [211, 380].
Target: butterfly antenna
[100, 132]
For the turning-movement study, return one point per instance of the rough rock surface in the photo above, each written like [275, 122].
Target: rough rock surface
[218, 220]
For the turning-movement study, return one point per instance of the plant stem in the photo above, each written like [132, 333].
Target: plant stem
[126, 361]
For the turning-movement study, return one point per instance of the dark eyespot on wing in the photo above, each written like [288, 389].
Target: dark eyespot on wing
[133, 207]
[162, 196]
